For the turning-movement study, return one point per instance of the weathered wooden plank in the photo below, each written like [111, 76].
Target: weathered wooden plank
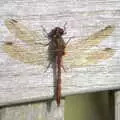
[98, 106]
[117, 105]
[21, 82]
[111, 109]
[33, 111]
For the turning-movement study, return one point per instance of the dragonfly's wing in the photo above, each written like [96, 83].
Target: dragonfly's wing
[23, 33]
[80, 57]
[30, 56]
[33, 53]
[88, 58]
[92, 40]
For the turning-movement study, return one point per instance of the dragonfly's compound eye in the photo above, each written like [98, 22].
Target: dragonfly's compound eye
[59, 31]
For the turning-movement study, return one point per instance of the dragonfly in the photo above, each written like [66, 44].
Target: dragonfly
[56, 50]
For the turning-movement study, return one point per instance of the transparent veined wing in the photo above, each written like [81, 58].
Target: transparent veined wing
[28, 55]
[80, 54]
[23, 33]
[35, 53]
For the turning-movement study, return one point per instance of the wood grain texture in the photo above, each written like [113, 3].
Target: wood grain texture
[21, 82]
[117, 105]
[33, 111]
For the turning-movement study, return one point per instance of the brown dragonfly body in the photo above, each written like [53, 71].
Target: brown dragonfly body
[56, 50]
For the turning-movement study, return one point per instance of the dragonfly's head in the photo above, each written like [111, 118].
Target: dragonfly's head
[56, 32]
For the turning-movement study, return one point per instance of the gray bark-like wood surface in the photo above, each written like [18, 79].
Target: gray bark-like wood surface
[21, 82]
[117, 105]
[33, 111]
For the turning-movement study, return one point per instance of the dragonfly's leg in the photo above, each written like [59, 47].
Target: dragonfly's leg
[63, 66]
[45, 35]
[68, 41]
[48, 67]
[64, 28]
[44, 31]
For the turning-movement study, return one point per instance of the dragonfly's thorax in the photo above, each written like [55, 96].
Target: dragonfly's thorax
[57, 44]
